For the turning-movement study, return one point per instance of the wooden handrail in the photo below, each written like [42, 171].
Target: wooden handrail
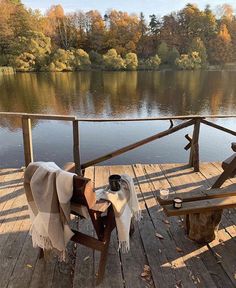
[72, 117]
[195, 120]
[138, 144]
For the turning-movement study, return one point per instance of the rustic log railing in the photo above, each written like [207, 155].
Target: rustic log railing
[189, 120]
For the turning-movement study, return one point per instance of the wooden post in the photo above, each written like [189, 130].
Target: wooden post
[76, 149]
[194, 152]
[27, 140]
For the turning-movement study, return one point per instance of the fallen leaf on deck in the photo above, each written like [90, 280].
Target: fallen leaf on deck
[159, 236]
[178, 284]
[179, 249]
[86, 258]
[146, 274]
[165, 221]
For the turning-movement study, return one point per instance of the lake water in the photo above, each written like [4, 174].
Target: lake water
[116, 94]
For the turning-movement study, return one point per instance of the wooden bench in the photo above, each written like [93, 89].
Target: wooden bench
[203, 208]
[214, 199]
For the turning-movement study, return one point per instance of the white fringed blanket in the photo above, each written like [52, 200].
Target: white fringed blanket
[48, 191]
[125, 205]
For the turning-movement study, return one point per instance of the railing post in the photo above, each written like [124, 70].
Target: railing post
[194, 152]
[76, 148]
[27, 140]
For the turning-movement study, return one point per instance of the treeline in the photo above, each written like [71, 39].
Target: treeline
[57, 41]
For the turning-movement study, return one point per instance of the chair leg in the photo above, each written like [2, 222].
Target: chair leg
[102, 264]
[107, 236]
[41, 253]
[225, 175]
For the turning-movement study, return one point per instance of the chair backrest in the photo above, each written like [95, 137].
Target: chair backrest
[83, 192]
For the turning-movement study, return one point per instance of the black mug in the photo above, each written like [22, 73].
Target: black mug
[114, 182]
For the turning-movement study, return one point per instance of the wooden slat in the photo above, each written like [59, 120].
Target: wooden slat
[76, 147]
[201, 206]
[39, 116]
[194, 152]
[27, 140]
[200, 194]
[172, 271]
[134, 261]
[113, 265]
[72, 118]
[221, 128]
[84, 272]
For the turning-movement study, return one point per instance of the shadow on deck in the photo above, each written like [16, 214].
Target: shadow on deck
[172, 259]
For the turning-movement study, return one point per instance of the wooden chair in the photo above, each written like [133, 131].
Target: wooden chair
[101, 214]
[229, 167]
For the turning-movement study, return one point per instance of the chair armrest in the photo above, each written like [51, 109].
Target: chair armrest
[101, 206]
[69, 167]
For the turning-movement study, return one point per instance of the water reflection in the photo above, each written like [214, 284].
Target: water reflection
[114, 94]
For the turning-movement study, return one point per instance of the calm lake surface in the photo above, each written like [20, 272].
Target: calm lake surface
[116, 94]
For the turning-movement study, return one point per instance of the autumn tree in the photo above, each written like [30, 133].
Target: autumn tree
[131, 61]
[220, 48]
[123, 34]
[198, 46]
[113, 61]
[173, 54]
[162, 52]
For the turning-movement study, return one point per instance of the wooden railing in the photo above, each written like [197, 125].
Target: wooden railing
[193, 142]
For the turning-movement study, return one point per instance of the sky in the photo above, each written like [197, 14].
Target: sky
[158, 7]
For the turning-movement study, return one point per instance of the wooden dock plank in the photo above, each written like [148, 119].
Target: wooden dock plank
[134, 261]
[187, 259]
[185, 180]
[84, 272]
[113, 266]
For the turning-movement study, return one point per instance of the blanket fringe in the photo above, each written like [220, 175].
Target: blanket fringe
[123, 246]
[137, 215]
[45, 243]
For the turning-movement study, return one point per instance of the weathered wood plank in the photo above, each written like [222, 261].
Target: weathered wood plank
[161, 267]
[134, 261]
[181, 179]
[194, 152]
[187, 259]
[200, 206]
[27, 140]
[84, 273]
[113, 265]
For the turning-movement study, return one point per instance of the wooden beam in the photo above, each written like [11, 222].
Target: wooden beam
[27, 140]
[219, 127]
[72, 118]
[138, 144]
[76, 148]
[228, 172]
[201, 206]
[189, 138]
[194, 152]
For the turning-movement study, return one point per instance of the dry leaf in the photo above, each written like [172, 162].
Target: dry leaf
[165, 221]
[144, 274]
[159, 236]
[146, 268]
[179, 249]
[86, 258]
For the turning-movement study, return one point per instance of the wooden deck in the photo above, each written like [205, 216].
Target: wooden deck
[172, 259]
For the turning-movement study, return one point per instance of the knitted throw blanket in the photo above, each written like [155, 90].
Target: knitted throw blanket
[125, 205]
[48, 191]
